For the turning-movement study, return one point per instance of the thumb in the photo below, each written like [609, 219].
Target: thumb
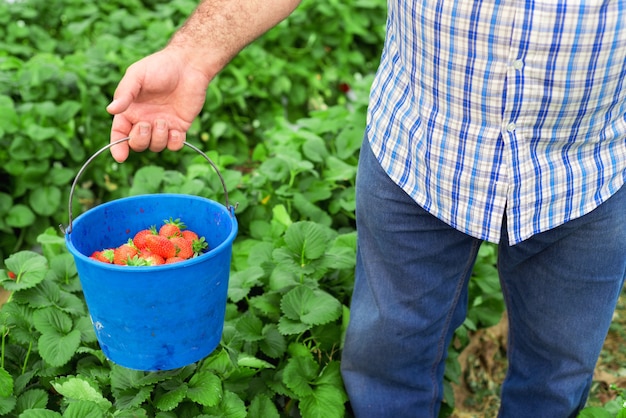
[125, 93]
[118, 105]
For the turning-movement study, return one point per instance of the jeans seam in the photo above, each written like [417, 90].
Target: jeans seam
[441, 348]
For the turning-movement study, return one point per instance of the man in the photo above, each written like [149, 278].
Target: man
[489, 120]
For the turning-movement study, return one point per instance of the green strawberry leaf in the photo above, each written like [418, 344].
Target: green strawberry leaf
[281, 216]
[29, 268]
[342, 252]
[57, 349]
[7, 404]
[262, 406]
[170, 400]
[250, 327]
[311, 307]
[64, 267]
[38, 413]
[45, 200]
[307, 239]
[288, 326]
[71, 304]
[325, 401]
[20, 216]
[241, 282]
[218, 362]
[299, 374]
[273, 344]
[205, 388]
[246, 360]
[147, 180]
[231, 406]
[268, 303]
[123, 378]
[83, 409]
[52, 320]
[58, 341]
[32, 399]
[594, 412]
[338, 170]
[79, 389]
[18, 318]
[6, 383]
[132, 397]
[87, 333]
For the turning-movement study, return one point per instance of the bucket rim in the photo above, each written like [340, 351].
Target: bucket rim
[213, 252]
[101, 150]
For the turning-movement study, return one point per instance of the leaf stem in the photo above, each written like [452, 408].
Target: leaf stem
[30, 348]
[5, 332]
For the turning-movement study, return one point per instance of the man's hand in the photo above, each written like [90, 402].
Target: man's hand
[160, 95]
[155, 103]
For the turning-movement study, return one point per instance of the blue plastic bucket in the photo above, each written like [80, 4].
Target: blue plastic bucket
[157, 317]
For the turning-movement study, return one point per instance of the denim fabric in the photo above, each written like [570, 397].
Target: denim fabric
[410, 294]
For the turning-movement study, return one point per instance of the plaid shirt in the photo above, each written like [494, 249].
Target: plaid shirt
[485, 107]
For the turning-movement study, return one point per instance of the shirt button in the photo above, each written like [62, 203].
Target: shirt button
[510, 127]
[518, 64]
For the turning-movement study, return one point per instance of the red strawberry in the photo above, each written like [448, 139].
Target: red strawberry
[184, 248]
[171, 228]
[152, 259]
[189, 234]
[344, 87]
[140, 237]
[12, 275]
[175, 259]
[124, 253]
[105, 256]
[160, 245]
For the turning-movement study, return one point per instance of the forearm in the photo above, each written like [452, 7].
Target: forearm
[218, 29]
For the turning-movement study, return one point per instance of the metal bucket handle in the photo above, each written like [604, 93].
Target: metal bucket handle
[231, 209]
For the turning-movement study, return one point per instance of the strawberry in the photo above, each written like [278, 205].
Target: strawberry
[12, 275]
[105, 256]
[140, 237]
[152, 259]
[174, 259]
[124, 253]
[198, 244]
[160, 245]
[190, 235]
[171, 228]
[184, 248]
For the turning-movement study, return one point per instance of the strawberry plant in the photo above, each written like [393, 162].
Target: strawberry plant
[279, 350]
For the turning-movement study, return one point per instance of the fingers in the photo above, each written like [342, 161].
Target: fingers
[120, 128]
[160, 135]
[176, 140]
[144, 136]
[120, 152]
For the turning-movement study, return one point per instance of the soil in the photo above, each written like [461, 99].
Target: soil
[483, 364]
[4, 295]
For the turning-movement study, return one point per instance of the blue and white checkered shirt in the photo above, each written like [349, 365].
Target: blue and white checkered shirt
[482, 107]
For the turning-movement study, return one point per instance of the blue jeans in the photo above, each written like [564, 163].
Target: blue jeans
[560, 287]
